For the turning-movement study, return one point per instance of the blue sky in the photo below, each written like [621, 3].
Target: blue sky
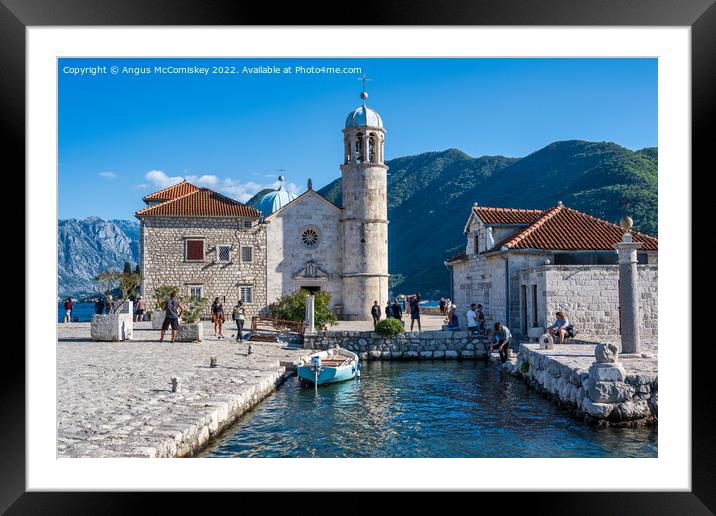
[124, 135]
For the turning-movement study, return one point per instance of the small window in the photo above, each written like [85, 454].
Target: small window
[247, 224]
[223, 253]
[246, 294]
[194, 250]
[247, 254]
[195, 291]
[476, 236]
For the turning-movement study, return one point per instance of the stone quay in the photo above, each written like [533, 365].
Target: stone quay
[115, 399]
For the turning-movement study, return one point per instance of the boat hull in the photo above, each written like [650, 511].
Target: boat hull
[328, 374]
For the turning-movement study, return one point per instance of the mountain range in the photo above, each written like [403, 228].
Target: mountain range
[429, 200]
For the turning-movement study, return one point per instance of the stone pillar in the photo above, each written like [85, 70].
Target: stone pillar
[628, 294]
[310, 324]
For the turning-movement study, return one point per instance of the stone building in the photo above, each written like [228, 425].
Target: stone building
[206, 244]
[524, 265]
[212, 246]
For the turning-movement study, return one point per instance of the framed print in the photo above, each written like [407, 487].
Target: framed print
[417, 253]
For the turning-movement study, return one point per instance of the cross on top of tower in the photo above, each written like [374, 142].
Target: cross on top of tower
[364, 94]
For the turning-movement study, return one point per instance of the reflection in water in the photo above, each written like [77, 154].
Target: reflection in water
[422, 409]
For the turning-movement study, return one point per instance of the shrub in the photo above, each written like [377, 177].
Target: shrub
[125, 283]
[292, 307]
[524, 367]
[389, 327]
[194, 309]
[162, 294]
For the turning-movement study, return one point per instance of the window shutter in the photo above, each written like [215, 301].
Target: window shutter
[194, 249]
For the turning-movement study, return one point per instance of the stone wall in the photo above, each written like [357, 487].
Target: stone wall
[589, 296]
[288, 256]
[629, 398]
[428, 345]
[163, 259]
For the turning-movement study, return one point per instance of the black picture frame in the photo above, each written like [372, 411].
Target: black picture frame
[17, 15]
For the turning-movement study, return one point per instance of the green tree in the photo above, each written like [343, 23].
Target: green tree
[162, 294]
[292, 307]
[125, 283]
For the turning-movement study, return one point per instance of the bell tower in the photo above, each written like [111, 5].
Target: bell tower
[365, 212]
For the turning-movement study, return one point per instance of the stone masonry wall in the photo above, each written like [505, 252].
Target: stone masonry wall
[428, 345]
[630, 400]
[163, 259]
[589, 296]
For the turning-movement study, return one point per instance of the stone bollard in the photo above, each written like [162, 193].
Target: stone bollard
[629, 293]
[251, 348]
[546, 342]
[213, 362]
[175, 384]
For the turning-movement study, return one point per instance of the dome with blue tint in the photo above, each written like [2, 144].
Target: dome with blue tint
[275, 200]
[364, 116]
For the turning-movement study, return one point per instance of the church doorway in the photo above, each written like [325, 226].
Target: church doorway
[312, 289]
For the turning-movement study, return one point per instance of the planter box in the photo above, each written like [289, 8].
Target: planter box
[189, 332]
[111, 327]
[158, 319]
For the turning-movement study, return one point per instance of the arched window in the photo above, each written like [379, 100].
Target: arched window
[372, 149]
[348, 150]
[359, 149]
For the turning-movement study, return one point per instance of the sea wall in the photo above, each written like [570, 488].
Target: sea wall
[620, 396]
[427, 345]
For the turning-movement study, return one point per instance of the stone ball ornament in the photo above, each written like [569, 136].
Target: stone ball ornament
[364, 95]
[626, 223]
[606, 353]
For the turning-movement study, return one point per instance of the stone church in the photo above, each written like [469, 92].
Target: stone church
[525, 265]
[213, 246]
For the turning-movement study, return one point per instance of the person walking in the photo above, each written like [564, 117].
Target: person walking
[375, 312]
[68, 310]
[217, 315]
[415, 311]
[238, 314]
[140, 309]
[388, 310]
[173, 310]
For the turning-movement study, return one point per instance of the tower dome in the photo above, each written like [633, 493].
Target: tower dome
[274, 200]
[364, 116]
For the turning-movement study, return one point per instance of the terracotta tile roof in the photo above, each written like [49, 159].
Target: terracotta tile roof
[506, 215]
[200, 203]
[562, 228]
[171, 192]
[457, 257]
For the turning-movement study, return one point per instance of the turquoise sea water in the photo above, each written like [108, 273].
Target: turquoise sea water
[82, 311]
[422, 409]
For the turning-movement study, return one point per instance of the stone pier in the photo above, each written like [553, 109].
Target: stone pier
[115, 399]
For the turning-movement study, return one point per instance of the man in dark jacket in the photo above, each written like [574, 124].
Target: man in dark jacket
[375, 312]
[397, 310]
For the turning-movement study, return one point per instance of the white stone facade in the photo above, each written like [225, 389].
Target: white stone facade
[163, 259]
[291, 264]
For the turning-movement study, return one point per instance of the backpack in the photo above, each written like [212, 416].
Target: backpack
[571, 332]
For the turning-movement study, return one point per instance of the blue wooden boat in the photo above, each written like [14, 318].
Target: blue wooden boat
[331, 366]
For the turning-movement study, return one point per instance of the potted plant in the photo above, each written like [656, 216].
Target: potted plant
[117, 323]
[160, 296]
[190, 327]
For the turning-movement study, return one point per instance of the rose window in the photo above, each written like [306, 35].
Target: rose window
[309, 237]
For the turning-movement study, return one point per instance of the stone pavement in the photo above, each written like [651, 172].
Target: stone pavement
[114, 399]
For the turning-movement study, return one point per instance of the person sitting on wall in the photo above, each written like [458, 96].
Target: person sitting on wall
[559, 327]
[502, 341]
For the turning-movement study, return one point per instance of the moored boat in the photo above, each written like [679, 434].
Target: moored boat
[331, 366]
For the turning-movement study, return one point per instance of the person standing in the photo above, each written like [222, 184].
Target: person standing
[68, 310]
[480, 318]
[99, 306]
[396, 310]
[472, 319]
[217, 315]
[172, 310]
[441, 304]
[388, 310]
[415, 311]
[238, 314]
[375, 312]
[141, 308]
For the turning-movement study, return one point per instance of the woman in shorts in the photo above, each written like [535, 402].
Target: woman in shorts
[217, 316]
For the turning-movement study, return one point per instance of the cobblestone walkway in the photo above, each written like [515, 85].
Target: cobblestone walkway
[114, 398]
